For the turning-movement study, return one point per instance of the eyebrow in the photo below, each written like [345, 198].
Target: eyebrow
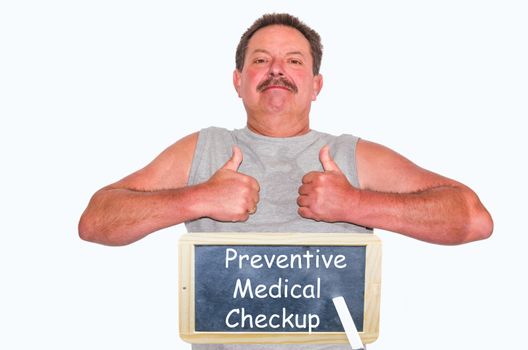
[295, 53]
[268, 53]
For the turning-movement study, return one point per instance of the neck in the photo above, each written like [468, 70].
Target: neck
[278, 127]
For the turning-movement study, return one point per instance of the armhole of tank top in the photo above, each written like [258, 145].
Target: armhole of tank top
[348, 145]
[198, 155]
[355, 141]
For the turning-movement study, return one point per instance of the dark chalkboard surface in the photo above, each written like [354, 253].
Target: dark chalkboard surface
[240, 287]
[216, 286]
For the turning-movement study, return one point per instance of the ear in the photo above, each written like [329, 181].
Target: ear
[237, 80]
[317, 86]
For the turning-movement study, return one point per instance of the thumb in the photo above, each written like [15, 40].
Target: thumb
[234, 162]
[327, 161]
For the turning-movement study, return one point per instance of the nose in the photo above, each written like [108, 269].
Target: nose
[276, 68]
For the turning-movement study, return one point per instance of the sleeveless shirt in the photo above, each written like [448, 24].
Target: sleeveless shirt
[278, 164]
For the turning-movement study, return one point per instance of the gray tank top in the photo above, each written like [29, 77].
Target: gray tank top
[278, 164]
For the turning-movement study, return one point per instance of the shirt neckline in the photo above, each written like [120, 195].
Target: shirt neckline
[309, 136]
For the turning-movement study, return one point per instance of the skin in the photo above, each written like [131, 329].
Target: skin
[394, 193]
[278, 51]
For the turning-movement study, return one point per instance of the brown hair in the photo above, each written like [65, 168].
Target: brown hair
[316, 48]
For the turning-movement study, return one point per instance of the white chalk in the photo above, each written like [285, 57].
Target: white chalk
[348, 323]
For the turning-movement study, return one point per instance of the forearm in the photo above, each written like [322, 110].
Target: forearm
[117, 216]
[444, 214]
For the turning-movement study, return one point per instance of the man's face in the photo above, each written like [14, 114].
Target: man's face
[277, 76]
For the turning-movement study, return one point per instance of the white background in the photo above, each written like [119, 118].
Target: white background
[93, 90]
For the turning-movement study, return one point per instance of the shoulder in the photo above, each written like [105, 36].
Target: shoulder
[170, 169]
[337, 143]
[369, 152]
[344, 144]
[215, 131]
[185, 148]
[342, 138]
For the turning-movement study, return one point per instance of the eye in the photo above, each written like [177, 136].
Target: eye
[295, 61]
[259, 60]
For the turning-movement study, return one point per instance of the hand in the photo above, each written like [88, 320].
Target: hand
[231, 196]
[327, 195]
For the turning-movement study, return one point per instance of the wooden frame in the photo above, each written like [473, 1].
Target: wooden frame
[186, 285]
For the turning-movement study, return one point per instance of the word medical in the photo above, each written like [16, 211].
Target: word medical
[278, 290]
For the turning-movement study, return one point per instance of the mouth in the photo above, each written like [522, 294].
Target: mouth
[281, 87]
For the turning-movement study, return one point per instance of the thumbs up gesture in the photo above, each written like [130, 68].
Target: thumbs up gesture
[230, 195]
[327, 195]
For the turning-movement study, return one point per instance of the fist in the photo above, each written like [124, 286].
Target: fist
[231, 196]
[327, 195]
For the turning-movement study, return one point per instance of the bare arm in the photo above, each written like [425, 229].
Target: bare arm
[143, 202]
[395, 195]
[157, 196]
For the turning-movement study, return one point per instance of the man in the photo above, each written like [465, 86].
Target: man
[277, 175]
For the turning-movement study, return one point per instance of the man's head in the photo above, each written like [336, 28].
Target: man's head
[284, 19]
[277, 74]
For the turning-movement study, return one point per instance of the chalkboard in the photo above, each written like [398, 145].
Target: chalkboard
[243, 287]
[283, 281]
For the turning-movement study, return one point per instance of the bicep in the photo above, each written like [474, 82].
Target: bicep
[169, 170]
[384, 170]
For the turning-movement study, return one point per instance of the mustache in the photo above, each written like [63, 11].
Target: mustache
[277, 81]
